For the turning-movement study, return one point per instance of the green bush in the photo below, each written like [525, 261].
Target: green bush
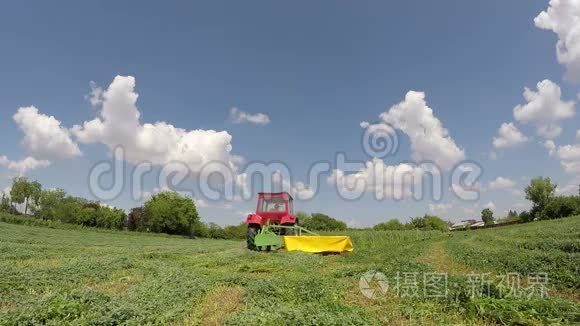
[391, 225]
[171, 213]
[199, 230]
[214, 231]
[302, 217]
[435, 223]
[428, 223]
[559, 207]
[526, 216]
[54, 205]
[69, 209]
[512, 216]
[322, 222]
[236, 231]
[25, 220]
[49, 201]
[110, 218]
[135, 219]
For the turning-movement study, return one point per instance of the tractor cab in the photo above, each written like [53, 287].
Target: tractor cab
[273, 208]
[274, 205]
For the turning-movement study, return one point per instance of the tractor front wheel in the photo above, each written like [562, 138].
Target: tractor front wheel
[251, 236]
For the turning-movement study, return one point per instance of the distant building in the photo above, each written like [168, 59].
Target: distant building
[465, 223]
[477, 224]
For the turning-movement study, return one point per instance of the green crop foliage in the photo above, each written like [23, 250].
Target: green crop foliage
[551, 247]
[57, 274]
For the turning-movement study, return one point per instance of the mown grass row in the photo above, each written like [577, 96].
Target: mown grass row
[55, 276]
[551, 247]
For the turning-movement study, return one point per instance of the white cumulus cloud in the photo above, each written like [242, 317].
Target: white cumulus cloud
[200, 203]
[550, 146]
[569, 156]
[568, 190]
[439, 208]
[95, 96]
[239, 116]
[563, 18]
[24, 165]
[118, 124]
[501, 183]
[465, 191]
[545, 109]
[429, 139]
[6, 191]
[302, 191]
[44, 137]
[490, 205]
[508, 136]
[299, 190]
[388, 181]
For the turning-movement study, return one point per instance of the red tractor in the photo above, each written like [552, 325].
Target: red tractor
[272, 209]
[275, 226]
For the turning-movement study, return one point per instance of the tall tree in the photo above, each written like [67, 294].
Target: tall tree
[5, 203]
[487, 216]
[49, 201]
[540, 192]
[25, 192]
[35, 192]
[135, 219]
[19, 190]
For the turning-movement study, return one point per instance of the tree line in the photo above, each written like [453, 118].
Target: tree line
[165, 212]
[545, 204]
[56, 205]
[170, 212]
[541, 192]
[425, 223]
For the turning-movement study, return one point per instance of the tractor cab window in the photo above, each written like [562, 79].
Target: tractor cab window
[273, 205]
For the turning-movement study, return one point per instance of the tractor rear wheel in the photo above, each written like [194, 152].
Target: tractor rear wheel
[251, 236]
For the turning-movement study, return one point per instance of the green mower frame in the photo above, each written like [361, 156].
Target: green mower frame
[267, 239]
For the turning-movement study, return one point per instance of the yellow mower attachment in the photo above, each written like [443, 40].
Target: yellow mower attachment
[317, 243]
[268, 238]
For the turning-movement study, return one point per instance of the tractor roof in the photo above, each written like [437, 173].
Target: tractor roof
[284, 195]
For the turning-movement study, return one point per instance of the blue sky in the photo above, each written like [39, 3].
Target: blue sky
[317, 70]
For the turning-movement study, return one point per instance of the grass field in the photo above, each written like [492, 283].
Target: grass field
[55, 276]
